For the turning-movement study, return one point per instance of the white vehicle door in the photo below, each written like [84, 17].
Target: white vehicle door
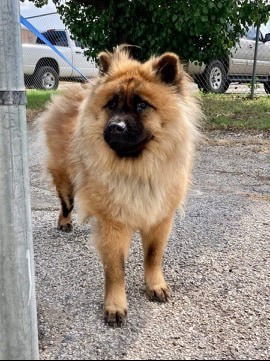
[267, 57]
[239, 57]
[263, 55]
[263, 58]
[80, 61]
[265, 49]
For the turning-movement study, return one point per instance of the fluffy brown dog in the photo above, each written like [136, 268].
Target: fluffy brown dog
[124, 148]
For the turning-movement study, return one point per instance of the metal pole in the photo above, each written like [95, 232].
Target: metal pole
[255, 62]
[18, 321]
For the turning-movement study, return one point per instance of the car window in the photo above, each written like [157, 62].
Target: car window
[78, 44]
[265, 28]
[251, 34]
[57, 38]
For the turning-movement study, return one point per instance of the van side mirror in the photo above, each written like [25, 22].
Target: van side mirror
[267, 37]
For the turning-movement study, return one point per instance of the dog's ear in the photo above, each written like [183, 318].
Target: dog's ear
[168, 68]
[105, 59]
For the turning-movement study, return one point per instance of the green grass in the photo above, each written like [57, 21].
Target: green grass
[236, 112]
[223, 111]
[36, 99]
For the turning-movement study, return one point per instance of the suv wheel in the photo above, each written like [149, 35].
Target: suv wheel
[215, 78]
[267, 87]
[46, 78]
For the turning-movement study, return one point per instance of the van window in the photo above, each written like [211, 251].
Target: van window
[251, 34]
[56, 37]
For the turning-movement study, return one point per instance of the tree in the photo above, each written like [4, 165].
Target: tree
[195, 29]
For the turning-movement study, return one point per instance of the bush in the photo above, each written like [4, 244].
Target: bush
[195, 29]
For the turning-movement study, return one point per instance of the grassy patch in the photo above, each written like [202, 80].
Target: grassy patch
[36, 99]
[223, 111]
[236, 112]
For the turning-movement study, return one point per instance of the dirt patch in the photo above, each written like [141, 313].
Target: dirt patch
[259, 139]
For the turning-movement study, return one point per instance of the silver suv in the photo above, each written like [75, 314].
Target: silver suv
[217, 75]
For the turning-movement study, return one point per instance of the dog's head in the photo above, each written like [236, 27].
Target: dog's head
[136, 105]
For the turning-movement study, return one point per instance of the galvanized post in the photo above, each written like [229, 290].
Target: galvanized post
[18, 321]
[255, 63]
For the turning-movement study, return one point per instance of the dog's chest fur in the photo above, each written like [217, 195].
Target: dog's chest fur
[135, 201]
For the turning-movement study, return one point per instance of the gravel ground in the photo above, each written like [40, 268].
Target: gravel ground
[217, 263]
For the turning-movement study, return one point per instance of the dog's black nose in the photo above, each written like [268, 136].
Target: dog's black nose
[117, 128]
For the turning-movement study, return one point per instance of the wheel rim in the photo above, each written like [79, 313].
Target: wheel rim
[216, 78]
[48, 80]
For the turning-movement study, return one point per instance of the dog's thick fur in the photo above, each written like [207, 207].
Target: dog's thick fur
[125, 194]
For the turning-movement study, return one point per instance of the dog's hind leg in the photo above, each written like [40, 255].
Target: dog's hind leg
[64, 219]
[65, 193]
[154, 243]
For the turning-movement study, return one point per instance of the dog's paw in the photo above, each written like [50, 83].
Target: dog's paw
[65, 227]
[114, 317]
[159, 293]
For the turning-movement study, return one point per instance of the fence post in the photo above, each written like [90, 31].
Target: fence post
[255, 62]
[18, 321]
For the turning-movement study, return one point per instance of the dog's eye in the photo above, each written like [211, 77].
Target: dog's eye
[141, 106]
[112, 104]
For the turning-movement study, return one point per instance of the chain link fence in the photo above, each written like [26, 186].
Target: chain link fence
[234, 73]
[43, 68]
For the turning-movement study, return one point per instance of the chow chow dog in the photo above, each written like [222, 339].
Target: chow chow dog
[123, 148]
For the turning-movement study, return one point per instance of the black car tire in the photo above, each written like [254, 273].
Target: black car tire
[214, 78]
[46, 78]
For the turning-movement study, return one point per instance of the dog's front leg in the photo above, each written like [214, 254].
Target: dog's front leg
[113, 244]
[154, 243]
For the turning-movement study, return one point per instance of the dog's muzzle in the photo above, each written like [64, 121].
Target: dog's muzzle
[126, 136]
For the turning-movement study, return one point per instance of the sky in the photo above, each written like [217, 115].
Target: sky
[45, 22]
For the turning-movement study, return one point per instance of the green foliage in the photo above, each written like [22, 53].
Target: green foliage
[38, 3]
[195, 29]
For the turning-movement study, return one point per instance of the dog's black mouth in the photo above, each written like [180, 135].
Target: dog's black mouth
[131, 150]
